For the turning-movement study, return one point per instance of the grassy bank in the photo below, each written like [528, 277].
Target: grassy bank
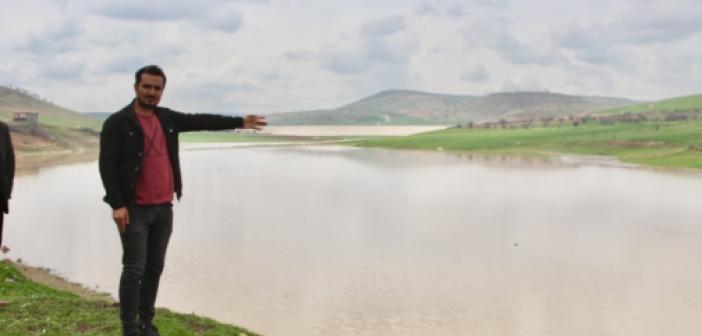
[36, 309]
[670, 145]
[677, 104]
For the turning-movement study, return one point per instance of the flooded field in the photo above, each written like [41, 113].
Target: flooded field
[345, 241]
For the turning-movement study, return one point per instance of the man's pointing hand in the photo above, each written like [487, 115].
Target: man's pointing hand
[255, 121]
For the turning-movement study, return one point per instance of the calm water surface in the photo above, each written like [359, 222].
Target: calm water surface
[346, 241]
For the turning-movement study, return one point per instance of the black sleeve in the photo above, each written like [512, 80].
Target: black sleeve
[186, 122]
[10, 150]
[109, 161]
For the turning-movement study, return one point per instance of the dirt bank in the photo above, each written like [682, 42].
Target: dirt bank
[32, 162]
[44, 277]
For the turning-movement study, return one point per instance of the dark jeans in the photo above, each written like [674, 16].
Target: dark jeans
[2, 220]
[144, 244]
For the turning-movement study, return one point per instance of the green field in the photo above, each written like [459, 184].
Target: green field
[679, 104]
[35, 309]
[672, 144]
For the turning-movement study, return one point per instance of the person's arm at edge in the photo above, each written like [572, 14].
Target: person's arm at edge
[10, 163]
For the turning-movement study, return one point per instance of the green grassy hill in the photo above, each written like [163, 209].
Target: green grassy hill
[17, 100]
[57, 128]
[678, 104]
[405, 107]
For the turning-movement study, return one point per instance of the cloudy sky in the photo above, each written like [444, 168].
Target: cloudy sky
[258, 56]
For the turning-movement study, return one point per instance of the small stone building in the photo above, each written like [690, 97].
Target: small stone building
[29, 117]
[25, 122]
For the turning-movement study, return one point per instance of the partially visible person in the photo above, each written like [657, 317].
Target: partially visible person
[7, 176]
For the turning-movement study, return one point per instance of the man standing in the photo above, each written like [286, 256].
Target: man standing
[7, 176]
[140, 171]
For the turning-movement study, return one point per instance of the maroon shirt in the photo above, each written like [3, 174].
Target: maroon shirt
[155, 183]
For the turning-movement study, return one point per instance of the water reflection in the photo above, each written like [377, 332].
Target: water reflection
[347, 241]
[33, 163]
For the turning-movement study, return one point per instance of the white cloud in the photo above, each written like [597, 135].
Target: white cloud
[456, 8]
[380, 45]
[156, 10]
[219, 15]
[385, 26]
[59, 38]
[615, 42]
[497, 34]
[64, 68]
[477, 74]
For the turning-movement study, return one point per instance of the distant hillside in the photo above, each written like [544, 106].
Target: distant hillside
[18, 100]
[98, 115]
[404, 107]
[678, 104]
[57, 127]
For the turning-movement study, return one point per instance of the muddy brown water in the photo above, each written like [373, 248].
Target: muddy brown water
[346, 241]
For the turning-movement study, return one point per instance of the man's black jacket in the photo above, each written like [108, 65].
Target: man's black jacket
[122, 147]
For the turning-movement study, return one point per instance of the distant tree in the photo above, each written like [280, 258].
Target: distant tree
[546, 120]
[526, 124]
[605, 120]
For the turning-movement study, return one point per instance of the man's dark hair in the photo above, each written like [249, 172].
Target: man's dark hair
[151, 70]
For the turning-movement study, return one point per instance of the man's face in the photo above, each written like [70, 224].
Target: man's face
[149, 90]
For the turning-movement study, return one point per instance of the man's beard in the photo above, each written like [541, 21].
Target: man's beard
[144, 104]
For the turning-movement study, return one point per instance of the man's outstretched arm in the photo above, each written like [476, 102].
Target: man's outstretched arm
[186, 122]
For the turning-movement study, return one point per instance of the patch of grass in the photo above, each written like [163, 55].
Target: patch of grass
[70, 121]
[673, 144]
[35, 309]
[678, 104]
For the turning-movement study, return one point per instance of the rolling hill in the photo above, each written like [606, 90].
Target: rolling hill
[677, 104]
[56, 128]
[405, 107]
[18, 100]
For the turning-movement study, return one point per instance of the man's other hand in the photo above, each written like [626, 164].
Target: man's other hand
[121, 218]
[254, 121]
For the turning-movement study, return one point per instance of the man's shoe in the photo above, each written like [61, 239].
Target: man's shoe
[148, 329]
[130, 331]
[3, 304]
